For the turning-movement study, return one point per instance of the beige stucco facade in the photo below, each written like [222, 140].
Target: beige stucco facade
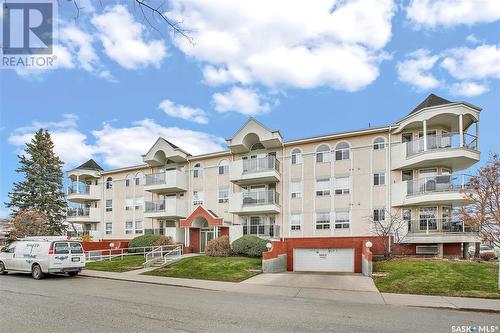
[325, 186]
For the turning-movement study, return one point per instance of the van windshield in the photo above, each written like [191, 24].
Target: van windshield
[76, 248]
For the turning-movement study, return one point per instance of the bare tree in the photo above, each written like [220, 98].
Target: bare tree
[482, 209]
[29, 222]
[391, 228]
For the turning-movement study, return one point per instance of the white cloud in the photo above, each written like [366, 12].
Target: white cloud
[116, 147]
[415, 70]
[124, 146]
[304, 44]
[242, 100]
[468, 89]
[480, 63]
[80, 45]
[184, 112]
[124, 41]
[449, 13]
[472, 39]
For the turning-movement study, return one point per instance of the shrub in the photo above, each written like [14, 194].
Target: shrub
[86, 238]
[143, 241]
[164, 240]
[487, 256]
[251, 246]
[218, 247]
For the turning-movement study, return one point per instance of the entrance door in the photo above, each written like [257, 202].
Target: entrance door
[206, 236]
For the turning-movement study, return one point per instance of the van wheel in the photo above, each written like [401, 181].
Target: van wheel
[36, 272]
[72, 273]
[2, 269]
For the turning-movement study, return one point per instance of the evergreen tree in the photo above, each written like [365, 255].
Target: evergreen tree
[42, 187]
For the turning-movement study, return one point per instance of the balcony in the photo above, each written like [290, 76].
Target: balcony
[445, 189]
[170, 181]
[266, 202]
[262, 230]
[79, 192]
[447, 150]
[83, 215]
[433, 230]
[255, 170]
[169, 208]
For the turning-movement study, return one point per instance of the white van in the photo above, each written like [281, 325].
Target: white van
[43, 255]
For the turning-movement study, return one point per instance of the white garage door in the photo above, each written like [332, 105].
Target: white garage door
[323, 260]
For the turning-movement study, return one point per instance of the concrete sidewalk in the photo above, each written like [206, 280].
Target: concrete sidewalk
[359, 296]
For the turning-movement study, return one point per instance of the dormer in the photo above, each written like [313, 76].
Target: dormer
[164, 152]
[254, 134]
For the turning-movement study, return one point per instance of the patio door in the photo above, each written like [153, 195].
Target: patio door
[428, 218]
[206, 235]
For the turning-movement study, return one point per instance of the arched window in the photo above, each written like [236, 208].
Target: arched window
[378, 143]
[296, 156]
[257, 146]
[128, 180]
[139, 179]
[224, 167]
[109, 183]
[323, 154]
[197, 170]
[342, 151]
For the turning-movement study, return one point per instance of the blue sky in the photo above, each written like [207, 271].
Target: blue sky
[304, 68]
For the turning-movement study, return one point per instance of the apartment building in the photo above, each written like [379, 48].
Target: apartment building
[318, 195]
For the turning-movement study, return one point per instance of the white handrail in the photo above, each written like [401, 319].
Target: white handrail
[163, 252]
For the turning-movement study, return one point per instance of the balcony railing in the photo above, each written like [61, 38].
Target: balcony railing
[443, 183]
[79, 188]
[261, 230]
[80, 211]
[155, 178]
[154, 206]
[261, 164]
[430, 225]
[267, 197]
[441, 141]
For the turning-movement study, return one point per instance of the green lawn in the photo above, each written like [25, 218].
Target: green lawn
[119, 265]
[438, 277]
[231, 269]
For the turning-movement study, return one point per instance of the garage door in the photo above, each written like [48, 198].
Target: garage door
[323, 260]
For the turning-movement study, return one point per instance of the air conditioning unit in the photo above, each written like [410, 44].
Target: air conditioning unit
[427, 249]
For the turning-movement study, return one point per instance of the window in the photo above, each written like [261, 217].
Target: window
[61, 248]
[109, 205]
[323, 154]
[379, 214]
[407, 218]
[127, 180]
[139, 202]
[379, 178]
[445, 171]
[129, 226]
[342, 185]
[258, 146]
[295, 222]
[197, 198]
[323, 220]
[427, 217]
[342, 151]
[342, 219]
[296, 156]
[223, 195]
[407, 175]
[296, 189]
[129, 203]
[322, 187]
[76, 248]
[138, 227]
[406, 137]
[197, 171]
[378, 143]
[109, 228]
[138, 179]
[109, 183]
[224, 167]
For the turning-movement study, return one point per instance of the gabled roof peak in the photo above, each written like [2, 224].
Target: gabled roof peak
[90, 165]
[431, 100]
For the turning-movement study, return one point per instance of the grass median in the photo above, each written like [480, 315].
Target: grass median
[438, 277]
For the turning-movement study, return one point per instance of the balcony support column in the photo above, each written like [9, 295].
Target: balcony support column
[424, 125]
[461, 129]
[477, 135]
[77, 183]
[440, 250]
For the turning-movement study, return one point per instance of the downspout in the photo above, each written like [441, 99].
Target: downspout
[282, 164]
[389, 174]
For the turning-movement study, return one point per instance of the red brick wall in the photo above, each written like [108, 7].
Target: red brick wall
[194, 239]
[452, 249]
[104, 245]
[224, 231]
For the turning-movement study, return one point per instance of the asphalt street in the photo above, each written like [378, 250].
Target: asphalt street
[63, 304]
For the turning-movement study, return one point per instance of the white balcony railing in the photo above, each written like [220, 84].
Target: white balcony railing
[83, 214]
[433, 225]
[170, 179]
[261, 164]
[266, 197]
[168, 207]
[441, 141]
[261, 230]
[80, 211]
[443, 183]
